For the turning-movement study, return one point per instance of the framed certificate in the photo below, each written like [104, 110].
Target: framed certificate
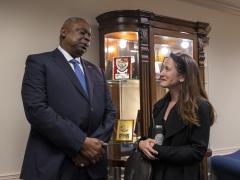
[122, 68]
[124, 130]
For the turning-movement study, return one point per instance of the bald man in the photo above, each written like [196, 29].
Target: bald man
[70, 111]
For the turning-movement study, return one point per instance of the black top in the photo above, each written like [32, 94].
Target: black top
[184, 145]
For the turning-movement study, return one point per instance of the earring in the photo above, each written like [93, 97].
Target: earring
[181, 80]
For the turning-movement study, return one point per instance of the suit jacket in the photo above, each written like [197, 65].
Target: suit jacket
[61, 116]
[184, 145]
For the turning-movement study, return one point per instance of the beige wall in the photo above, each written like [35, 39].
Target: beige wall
[32, 27]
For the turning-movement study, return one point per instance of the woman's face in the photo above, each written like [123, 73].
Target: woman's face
[169, 77]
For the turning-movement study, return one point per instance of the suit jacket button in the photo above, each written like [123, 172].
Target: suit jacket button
[91, 109]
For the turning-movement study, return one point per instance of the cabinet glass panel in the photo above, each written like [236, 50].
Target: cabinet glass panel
[121, 47]
[163, 46]
[122, 72]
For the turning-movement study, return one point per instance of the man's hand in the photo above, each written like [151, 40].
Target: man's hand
[80, 161]
[92, 149]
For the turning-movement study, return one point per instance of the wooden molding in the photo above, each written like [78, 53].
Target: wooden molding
[227, 150]
[10, 176]
[231, 7]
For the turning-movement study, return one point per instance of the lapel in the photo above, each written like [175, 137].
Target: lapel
[174, 122]
[88, 70]
[160, 107]
[60, 60]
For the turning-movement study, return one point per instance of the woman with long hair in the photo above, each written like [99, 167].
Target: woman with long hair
[186, 115]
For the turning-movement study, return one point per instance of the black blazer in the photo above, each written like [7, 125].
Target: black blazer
[184, 145]
[61, 116]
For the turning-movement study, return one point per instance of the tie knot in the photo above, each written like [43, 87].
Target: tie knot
[74, 61]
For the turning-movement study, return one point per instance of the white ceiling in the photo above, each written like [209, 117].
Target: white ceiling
[229, 6]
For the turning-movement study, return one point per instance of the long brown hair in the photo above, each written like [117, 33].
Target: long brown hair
[192, 90]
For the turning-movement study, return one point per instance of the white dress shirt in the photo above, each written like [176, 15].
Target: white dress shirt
[69, 58]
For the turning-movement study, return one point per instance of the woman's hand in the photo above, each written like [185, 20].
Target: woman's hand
[146, 146]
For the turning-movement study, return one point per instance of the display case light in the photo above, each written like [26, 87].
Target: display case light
[123, 43]
[164, 51]
[185, 44]
[111, 49]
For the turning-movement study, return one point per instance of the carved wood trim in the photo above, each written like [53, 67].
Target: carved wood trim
[202, 31]
[144, 79]
[145, 98]
[203, 40]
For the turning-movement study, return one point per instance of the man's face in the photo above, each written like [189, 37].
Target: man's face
[76, 38]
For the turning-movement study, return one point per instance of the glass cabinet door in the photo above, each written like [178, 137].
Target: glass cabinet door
[122, 72]
[121, 61]
[163, 46]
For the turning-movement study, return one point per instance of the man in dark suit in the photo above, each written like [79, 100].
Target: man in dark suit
[71, 115]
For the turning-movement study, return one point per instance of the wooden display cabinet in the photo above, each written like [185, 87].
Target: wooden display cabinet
[146, 39]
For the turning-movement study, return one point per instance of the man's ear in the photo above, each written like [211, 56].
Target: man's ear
[63, 33]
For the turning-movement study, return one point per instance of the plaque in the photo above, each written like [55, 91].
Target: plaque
[124, 130]
[122, 68]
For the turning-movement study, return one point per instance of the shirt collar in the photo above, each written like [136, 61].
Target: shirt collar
[67, 55]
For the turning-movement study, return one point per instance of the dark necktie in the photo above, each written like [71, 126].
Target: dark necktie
[80, 75]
